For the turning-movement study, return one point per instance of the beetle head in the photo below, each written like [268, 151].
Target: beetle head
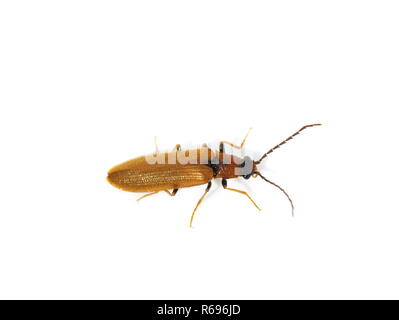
[246, 168]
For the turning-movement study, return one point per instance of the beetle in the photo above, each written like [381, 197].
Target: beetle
[182, 169]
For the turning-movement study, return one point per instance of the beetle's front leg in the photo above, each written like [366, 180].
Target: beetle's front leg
[221, 145]
[224, 184]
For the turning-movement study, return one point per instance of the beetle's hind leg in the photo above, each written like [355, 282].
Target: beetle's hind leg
[199, 201]
[176, 148]
[224, 184]
[147, 195]
[173, 193]
[156, 144]
[222, 143]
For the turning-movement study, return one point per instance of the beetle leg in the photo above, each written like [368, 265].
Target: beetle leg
[199, 201]
[221, 145]
[173, 193]
[177, 148]
[156, 144]
[224, 183]
[147, 195]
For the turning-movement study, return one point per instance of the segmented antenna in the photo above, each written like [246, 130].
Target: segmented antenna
[276, 185]
[285, 141]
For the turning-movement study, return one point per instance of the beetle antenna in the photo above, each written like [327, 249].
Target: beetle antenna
[276, 185]
[285, 141]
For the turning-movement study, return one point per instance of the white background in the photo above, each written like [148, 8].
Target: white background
[86, 85]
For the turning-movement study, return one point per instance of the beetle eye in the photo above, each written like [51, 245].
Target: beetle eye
[247, 176]
[247, 160]
[242, 165]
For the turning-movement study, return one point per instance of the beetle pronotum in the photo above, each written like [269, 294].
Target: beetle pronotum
[182, 169]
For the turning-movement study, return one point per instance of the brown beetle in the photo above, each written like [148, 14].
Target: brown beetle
[183, 169]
